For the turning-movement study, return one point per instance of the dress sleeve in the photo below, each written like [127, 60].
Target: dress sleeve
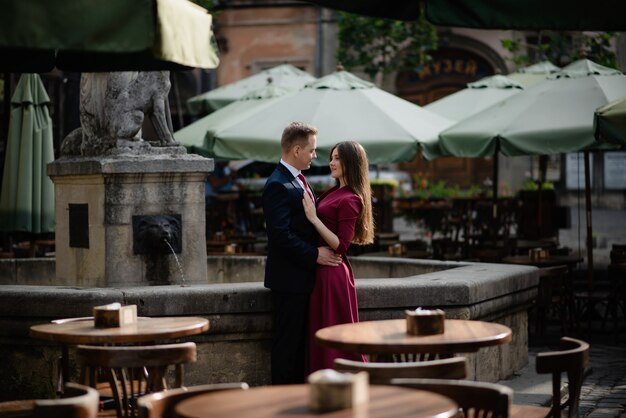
[348, 212]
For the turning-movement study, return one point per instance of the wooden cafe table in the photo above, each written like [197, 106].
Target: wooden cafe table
[146, 329]
[292, 401]
[389, 337]
[550, 261]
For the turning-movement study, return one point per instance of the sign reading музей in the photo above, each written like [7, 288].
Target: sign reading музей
[449, 71]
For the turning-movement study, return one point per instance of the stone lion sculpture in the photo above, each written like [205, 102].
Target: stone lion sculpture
[151, 232]
[112, 110]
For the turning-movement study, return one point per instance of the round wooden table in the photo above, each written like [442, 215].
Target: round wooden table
[390, 337]
[144, 330]
[550, 261]
[292, 401]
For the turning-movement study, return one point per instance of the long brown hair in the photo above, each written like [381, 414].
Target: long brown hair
[356, 175]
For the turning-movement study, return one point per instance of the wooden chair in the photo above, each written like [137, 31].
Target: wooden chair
[161, 404]
[63, 361]
[78, 402]
[617, 281]
[475, 399]
[588, 304]
[551, 294]
[134, 370]
[382, 373]
[572, 359]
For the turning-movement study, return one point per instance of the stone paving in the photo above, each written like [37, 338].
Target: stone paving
[604, 388]
[603, 394]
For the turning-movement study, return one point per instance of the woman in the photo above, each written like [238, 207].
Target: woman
[343, 216]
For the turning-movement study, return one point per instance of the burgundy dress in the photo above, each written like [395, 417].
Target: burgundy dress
[333, 300]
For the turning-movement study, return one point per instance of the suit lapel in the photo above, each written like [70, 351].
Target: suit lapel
[285, 171]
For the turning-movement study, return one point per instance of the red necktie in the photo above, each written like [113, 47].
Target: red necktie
[306, 187]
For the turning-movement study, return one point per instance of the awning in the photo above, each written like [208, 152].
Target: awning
[116, 35]
[604, 15]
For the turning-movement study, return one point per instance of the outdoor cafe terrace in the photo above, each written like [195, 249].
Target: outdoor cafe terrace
[446, 221]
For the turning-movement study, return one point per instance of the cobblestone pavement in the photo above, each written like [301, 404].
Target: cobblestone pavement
[603, 394]
[604, 388]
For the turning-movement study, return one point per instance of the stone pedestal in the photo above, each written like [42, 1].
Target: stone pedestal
[95, 201]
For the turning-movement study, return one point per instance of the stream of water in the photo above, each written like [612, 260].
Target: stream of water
[180, 268]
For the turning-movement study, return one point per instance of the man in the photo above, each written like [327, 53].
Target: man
[292, 252]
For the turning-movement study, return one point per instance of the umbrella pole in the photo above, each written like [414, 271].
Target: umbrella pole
[589, 226]
[494, 193]
[543, 165]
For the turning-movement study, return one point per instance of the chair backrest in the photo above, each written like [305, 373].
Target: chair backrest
[78, 402]
[382, 373]
[572, 358]
[161, 404]
[134, 370]
[475, 399]
[617, 279]
[618, 253]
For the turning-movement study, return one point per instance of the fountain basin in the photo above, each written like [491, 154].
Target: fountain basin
[237, 345]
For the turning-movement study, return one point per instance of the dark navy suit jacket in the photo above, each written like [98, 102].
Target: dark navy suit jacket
[292, 239]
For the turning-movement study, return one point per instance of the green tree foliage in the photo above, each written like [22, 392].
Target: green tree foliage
[561, 48]
[381, 46]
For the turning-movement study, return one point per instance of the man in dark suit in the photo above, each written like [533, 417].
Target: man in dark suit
[293, 252]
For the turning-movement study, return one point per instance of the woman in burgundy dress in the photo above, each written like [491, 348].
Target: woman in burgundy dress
[343, 216]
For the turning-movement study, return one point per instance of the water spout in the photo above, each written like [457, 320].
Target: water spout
[180, 267]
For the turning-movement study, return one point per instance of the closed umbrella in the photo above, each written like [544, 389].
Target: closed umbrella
[341, 105]
[555, 116]
[27, 196]
[286, 76]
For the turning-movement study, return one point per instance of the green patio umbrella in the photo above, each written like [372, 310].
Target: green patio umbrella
[464, 103]
[533, 74]
[341, 105]
[609, 122]
[552, 117]
[116, 35]
[199, 137]
[27, 196]
[286, 76]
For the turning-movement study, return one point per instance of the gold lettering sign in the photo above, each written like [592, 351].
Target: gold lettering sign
[460, 66]
[471, 67]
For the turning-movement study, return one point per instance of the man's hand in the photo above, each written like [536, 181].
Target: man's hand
[327, 257]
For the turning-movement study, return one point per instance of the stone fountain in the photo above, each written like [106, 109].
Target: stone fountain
[128, 210]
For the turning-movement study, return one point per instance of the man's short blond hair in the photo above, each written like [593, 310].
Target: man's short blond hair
[296, 133]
